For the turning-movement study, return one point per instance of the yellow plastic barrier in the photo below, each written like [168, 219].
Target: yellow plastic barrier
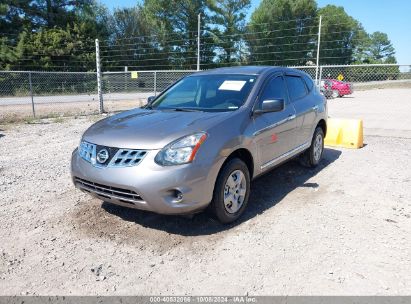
[346, 133]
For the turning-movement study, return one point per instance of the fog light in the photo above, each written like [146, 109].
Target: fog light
[178, 195]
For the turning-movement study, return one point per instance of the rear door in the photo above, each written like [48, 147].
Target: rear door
[274, 132]
[304, 105]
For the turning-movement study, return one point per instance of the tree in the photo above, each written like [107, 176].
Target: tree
[376, 49]
[229, 19]
[341, 36]
[176, 28]
[280, 32]
[162, 34]
[132, 41]
[381, 49]
[55, 49]
[36, 14]
[51, 34]
[7, 54]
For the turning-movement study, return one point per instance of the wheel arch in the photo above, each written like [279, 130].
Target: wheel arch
[323, 125]
[246, 156]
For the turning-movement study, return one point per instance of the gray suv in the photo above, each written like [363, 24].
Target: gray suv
[201, 141]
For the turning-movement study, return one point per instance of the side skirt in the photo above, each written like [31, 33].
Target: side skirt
[285, 156]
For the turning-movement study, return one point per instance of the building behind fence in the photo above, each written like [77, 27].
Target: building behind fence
[48, 94]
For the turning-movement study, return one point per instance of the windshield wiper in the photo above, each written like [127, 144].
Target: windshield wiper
[187, 110]
[183, 109]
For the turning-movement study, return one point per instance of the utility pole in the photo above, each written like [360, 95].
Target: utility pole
[198, 41]
[318, 52]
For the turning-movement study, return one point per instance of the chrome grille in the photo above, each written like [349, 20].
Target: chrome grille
[126, 158]
[118, 157]
[109, 192]
[87, 151]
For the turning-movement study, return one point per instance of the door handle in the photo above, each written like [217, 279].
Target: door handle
[291, 117]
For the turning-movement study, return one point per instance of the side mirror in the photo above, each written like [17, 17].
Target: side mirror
[150, 99]
[271, 105]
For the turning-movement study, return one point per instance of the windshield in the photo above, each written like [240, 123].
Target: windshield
[207, 93]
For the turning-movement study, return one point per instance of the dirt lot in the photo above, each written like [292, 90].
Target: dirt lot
[342, 229]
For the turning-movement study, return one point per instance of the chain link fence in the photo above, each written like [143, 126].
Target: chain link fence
[47, 94]
[366, 77]
[126, 90]
[310, 70]
[51, 94]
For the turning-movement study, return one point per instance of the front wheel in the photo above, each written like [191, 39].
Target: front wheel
[231, 191]
[312, 156]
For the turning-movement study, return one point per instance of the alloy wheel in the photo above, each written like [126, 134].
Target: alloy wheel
[318, 147]
[234, 191]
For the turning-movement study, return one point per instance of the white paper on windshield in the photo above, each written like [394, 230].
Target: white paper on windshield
[232, 85]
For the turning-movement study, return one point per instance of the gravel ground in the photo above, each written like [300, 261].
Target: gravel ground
[342, 229]
[384, 112]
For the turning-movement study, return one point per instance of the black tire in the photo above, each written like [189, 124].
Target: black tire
[217, 205]
[308, 159]
[335, 94]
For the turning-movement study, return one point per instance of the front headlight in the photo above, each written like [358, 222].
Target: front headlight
[181, 151]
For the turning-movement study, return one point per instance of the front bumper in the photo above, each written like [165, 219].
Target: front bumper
[148, 186]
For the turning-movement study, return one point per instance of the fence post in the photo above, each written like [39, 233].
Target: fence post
[31, 95]
[155, 83]
[98, 71]
[125, 78]
[198, 41]
[318, 50]
[321, 76]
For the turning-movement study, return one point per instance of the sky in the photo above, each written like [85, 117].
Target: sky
[392, 17]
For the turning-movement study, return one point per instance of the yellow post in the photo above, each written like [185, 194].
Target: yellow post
[346, 133]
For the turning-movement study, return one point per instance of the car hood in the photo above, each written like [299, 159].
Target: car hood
[150, 129]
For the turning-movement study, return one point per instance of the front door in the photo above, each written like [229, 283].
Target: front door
[274, 132]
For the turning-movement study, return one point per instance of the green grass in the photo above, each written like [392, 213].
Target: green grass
[58, 120]
[12, 119]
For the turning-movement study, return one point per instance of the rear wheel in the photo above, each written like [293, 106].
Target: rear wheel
[312, 156]
[231, 191]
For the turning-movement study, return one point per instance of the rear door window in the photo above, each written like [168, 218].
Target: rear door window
[296, 87]
[309, 82]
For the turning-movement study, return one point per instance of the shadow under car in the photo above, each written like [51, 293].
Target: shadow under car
[266, 191]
